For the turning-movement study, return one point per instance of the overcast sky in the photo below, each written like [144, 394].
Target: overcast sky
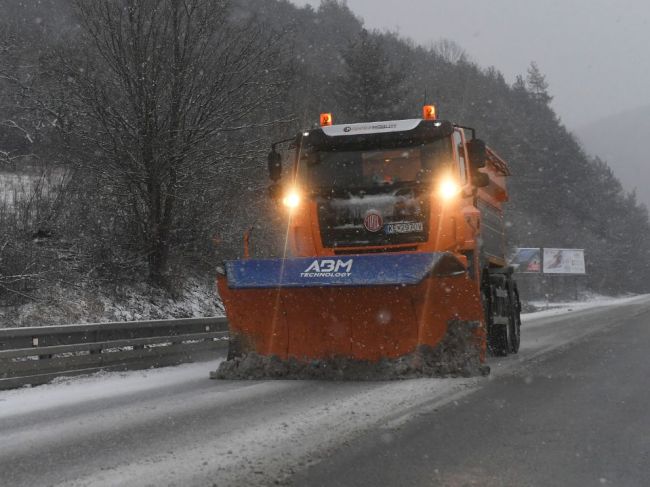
[595, 53]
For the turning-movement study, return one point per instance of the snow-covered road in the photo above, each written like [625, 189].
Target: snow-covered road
[176, 427]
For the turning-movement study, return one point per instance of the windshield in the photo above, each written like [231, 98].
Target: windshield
[377, 168]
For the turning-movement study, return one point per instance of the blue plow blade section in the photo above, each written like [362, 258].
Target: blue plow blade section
[344, 270]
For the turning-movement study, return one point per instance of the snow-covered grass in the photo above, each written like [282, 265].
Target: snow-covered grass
[194, 299]
[12, 185]
[22, 185]
[64, 305]
[545, 309]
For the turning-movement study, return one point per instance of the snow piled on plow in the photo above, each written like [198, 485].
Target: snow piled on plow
[457, 355]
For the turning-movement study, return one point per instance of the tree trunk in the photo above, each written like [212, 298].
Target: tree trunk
[158, 237]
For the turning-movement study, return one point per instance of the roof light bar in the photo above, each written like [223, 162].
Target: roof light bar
[326, 119]
[429, 112]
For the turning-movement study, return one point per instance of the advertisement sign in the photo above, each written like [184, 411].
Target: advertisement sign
[527, 260]
[564, 261]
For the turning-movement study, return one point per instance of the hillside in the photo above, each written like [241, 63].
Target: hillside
[304, 61]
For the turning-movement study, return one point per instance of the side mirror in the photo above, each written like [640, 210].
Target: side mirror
[275, 165]
[477, 152]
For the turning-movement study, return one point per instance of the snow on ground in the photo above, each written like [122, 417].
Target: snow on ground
[193, 298]
[66, 391]
[16, 186]
[546, 309]
[266, 452]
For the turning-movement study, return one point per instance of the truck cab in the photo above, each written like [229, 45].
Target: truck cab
[413, 185]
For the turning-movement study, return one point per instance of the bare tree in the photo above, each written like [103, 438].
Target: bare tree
[450, 51]
[158, 95]
[14, 137]
[28, 114]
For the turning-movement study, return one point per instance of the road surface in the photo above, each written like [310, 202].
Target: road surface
[570, 409]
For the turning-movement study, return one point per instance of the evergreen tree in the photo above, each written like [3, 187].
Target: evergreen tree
[372, 86]
[519, 86]
[537, 84]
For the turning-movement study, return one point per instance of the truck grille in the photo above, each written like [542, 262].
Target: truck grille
[393, 218]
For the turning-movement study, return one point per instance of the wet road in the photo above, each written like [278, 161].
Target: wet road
[570, 409]
[579, 417]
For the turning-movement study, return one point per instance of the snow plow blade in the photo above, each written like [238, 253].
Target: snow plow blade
[386, 316]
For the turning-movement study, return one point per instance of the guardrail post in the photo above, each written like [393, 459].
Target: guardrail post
[36, 344]
[95, 339]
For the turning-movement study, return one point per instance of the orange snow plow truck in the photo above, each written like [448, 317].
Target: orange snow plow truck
[395, 258]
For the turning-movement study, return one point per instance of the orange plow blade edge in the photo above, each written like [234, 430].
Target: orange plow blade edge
[384, 316]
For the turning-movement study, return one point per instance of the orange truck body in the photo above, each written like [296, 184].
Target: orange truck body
[375, 321]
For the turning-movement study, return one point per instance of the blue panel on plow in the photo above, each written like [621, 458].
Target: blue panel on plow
[347, 270]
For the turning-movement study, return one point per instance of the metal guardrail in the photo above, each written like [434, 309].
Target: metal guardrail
[36, 355]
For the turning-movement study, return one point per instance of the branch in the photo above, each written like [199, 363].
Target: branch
[13, 125]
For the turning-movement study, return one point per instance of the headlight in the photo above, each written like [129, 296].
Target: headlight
[292, 199]
[448, 189]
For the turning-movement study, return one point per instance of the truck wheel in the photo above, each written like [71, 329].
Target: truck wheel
[497, 334]
[514, 329]
[498, 340]
[515, 321]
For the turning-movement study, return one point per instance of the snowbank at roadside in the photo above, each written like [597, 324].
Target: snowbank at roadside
[66, 391]
[547, 309]
[87, 303]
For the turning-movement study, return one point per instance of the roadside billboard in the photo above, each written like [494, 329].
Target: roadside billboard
[527, 260]
[564, 261]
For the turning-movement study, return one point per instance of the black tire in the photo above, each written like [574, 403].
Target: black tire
[515, 320]
[498, 340]
[497, 335]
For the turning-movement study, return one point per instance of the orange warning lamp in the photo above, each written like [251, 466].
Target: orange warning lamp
[429, 112]
[325, 119]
